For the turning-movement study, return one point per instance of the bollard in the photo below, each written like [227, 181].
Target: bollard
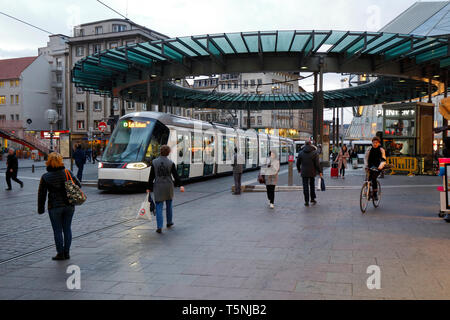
[32, 168]
[291, 170]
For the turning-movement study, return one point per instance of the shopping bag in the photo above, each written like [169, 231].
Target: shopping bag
[318, 184]
[144, 211]
[322, 184]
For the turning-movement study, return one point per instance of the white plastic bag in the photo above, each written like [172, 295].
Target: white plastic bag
[318, 184]
[144, 211]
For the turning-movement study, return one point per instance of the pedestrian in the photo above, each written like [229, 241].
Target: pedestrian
[238, 168]
[80, 160]
[59, 209]
[342, 159]
[12, 167]
[161, 184]
[270, 172]
[308, 166]
[88, 155]
[446, 150]
[94, 155]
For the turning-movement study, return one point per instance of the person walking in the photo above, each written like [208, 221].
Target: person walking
[238, 168]
[60, 210]
[80, 161]
[88, 155]
[12, 167]
[270, 172]
[94, 155]
[161, 184]
[342, 159]
[308, 166]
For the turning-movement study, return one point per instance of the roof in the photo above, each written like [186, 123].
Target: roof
[13, 68]
[414, 17]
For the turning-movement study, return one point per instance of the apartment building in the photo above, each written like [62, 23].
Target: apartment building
[81, 112]
[25, 92]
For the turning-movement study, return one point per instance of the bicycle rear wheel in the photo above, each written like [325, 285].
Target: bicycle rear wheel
[376, 203]
[363, 197]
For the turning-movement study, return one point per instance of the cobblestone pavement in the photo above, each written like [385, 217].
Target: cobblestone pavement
[233, 247]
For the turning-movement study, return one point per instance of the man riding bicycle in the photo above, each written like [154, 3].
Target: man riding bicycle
[375, 157]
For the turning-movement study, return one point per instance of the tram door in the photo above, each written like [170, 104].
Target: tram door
[183, 154]
[208, 154]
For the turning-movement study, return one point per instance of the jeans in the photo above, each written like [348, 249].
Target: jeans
[373, 175]
[237, 182]
[342, 171]
[80, 171]
[271, 193]
[159, 214]
[13, 176]
[309, 186]
[61, 219]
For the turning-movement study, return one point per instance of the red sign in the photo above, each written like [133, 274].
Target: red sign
[291, 159]
[102, 126]
[46, 134]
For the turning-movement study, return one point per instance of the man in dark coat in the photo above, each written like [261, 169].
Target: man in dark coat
[308, 166]
[80, 159]
[238, 168]
[12, 166]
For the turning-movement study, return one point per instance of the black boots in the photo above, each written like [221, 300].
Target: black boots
[59, 257]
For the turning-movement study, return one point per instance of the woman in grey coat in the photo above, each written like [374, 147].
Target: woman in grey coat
[270, 172]
[162, 185]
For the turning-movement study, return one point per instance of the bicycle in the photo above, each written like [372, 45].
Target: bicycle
[367, 192]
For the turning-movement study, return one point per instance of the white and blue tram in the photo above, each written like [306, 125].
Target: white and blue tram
[199, 149]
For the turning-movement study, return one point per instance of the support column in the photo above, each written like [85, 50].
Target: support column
[160, 96]
[149, 94]
[445, 121]
[248, 117]
[320, 104]
[111, 113]
[122, 107]
[334, 128]
[429, 91]
[315, 110]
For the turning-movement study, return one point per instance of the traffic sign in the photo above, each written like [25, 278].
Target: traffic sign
[102, 126]
[291, 159]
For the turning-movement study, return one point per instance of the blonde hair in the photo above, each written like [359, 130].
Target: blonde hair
[55, 160]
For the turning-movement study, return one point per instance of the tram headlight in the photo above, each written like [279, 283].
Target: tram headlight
[100, 165]
[137, 165]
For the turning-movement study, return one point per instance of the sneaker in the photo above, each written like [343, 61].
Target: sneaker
[158, 230]
[169, 225]
[313, 202]
[272, 206]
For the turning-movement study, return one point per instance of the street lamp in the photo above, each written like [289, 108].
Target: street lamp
[52, 118]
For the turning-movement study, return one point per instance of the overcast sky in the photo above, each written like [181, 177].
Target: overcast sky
[193, 17]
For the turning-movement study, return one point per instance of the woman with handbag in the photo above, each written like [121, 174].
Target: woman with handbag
[270, 173]
[161, 184]
[60, 209]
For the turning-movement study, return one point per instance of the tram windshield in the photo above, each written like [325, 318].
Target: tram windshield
[136, 140]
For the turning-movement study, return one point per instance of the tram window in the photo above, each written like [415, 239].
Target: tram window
[228, 148]
[183, 148]
[197, 147]
[159, 137]
[264, 149]
[129, 141]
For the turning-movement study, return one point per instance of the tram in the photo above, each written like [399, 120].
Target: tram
[199, 149]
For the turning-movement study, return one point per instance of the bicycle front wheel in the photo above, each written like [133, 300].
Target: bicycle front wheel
[376, 203]
[364, 197]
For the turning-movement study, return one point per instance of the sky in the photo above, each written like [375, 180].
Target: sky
[176, 18]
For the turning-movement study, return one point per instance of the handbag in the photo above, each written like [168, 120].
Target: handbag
[75, 195]
[261, 179]
[152, 204]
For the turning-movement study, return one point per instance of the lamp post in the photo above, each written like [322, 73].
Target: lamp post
[52, 118]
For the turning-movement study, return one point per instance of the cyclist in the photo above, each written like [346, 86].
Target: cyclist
[375, 157]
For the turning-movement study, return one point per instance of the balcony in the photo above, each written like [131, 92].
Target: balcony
[58, 69]
[57, 101]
